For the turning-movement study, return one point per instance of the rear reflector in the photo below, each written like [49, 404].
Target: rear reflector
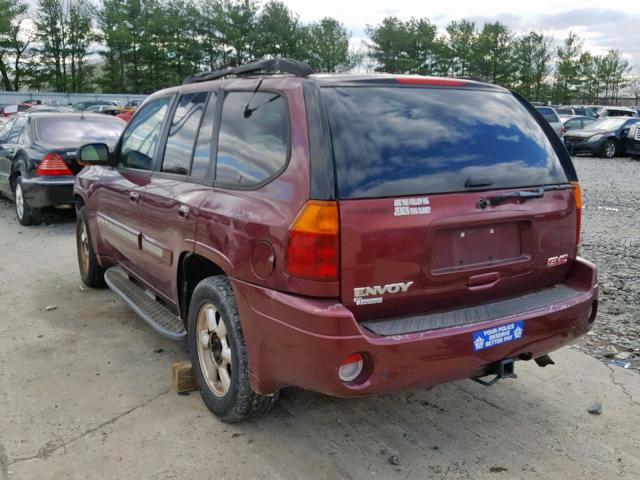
[312, 248]
[351, 368]
[577, 196]
[431, 81]
[53, 164]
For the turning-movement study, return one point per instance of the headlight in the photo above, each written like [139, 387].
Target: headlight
[595, 137]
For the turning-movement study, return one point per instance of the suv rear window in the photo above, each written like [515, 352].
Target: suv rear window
[393, 141]
[548, 114]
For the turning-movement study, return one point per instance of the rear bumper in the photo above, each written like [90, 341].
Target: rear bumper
[47, 191]
[296, 341]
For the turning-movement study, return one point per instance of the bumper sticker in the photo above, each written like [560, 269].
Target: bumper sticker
[491, 337]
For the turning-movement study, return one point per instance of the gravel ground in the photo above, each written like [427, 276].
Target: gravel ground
[611, 238]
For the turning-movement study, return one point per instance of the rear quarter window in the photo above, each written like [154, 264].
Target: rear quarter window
[392, 141]
[549, 115]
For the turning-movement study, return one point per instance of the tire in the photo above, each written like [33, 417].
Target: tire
[216, 345]
[25, 214]
[91, 272]
[609, 149]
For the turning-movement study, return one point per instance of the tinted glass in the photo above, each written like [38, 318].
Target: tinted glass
[182, 133]
[548, 114]
[66, 131]
[564, 111]
[5, 129]
[252, 145]
[17, 128]
[580, 111]
[573, 123]
[202, 153]
[140, 139]
[405, 141]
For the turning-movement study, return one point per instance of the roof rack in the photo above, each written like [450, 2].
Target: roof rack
[274, 65]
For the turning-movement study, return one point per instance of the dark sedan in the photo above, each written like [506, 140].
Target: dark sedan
[633, 141]
[605, 137]
[37, 157]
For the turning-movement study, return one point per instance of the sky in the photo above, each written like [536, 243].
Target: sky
[601, 24]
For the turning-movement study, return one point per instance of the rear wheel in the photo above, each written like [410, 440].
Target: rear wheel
[25, 214]
[609, 149]
[91, 272]
[219, 355]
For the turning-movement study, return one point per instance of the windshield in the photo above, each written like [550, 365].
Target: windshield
[72, 131]
[392, 141]
[608, 124]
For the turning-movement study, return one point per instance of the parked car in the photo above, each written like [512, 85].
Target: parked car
[576, 122]
[584, 110]
[10, 110]
[49, 108]
[604, 137]
[348, 234]
[615, 112]
[38, 157]
[633, 141]
[85, 105]
[550, 115]
[564, 111]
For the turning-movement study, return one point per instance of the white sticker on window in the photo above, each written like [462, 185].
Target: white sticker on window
[411, 206]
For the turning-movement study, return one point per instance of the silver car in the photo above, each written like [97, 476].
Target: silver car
[550, 115]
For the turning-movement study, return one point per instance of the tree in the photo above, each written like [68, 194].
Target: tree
[493, 54]
[567, 77]
[279, 32]
[532, 55]
[390, 44]
[327, 46]
[633, 87]
[12, 16]
[458, 48]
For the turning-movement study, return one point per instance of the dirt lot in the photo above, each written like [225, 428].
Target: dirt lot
[84, 387]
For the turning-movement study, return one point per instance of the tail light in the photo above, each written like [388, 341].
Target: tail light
[53, 164]
[312, 248]
[577, 196]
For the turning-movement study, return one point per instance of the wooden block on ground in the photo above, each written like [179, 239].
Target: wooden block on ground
[182, 377]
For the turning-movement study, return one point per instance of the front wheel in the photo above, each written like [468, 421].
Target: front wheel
[91, 272]
[25, 214]
[219, 355]
[609, 149]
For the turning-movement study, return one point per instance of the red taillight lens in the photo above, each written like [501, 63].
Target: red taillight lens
[577, 196]
[312, 248]
[53, 164]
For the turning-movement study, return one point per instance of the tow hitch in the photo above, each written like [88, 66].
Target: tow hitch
[502, 369]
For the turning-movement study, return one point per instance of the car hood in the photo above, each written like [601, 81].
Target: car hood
[586, 133]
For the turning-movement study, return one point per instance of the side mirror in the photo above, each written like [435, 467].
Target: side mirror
[94, 154]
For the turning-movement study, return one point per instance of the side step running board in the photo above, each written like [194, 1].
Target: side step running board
[160, 318]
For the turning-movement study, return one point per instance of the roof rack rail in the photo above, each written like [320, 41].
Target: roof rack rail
[273, 65]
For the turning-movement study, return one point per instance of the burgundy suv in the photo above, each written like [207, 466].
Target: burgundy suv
[348, 234]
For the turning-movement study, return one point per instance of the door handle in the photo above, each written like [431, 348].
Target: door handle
[183, 211]
[134, 196]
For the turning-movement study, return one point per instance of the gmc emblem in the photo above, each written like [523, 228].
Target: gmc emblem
[559, 260]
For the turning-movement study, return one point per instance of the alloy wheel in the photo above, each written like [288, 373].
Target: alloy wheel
[83, 249]
[19, 201]
[610, 149]
[214, 351]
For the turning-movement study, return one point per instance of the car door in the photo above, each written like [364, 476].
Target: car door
[171, 198]
[8, 147]
[120, 188]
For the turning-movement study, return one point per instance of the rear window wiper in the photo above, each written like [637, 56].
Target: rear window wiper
[522, 194]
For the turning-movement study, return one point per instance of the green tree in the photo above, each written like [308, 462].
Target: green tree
[568, 74]
[390, 45]
[532, 56]
[327, 46]
[279, 32]
[493, 54]
[458, 48]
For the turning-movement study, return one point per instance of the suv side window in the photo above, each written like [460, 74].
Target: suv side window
[140, 139]
[253, 139]
[5, 129]
[182, 133]
[200, 166]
